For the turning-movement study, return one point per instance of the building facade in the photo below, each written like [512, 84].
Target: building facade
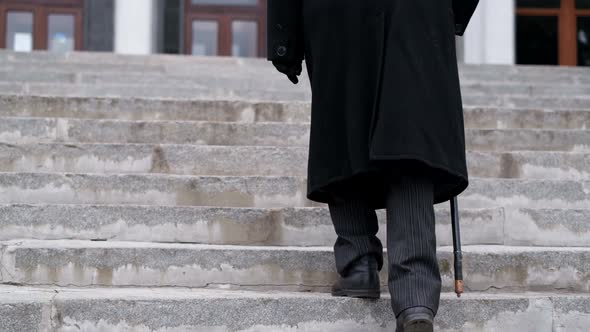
[551, 32]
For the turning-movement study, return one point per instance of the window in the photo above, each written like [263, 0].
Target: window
[205, 35]
[61, 32]
[553, 32]
[225, 27]
[54, 25]
[19, 31]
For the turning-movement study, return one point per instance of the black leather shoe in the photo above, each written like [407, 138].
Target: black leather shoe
[416, 319]
[361, 280]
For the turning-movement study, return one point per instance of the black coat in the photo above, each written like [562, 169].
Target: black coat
[385, 91]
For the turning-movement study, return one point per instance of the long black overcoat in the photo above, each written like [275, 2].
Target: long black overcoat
[385, 91]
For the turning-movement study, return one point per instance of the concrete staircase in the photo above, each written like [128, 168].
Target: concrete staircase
[167, 193]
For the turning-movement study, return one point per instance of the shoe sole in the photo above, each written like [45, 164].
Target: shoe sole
[419, 324]
[358, 293]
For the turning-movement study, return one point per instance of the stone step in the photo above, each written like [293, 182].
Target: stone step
[474, 96]
[487, 268]
[48, 130]
[248, 226]
[189, 65]
[278, 226]
[267, 78]
[244, 111]
[256, 191]
[254, 160]
[201, 310]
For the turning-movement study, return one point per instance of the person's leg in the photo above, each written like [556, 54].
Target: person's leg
[356, 225]
[414, 276]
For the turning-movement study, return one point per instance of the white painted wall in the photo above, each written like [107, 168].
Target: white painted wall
[490, 37]
[136, 26]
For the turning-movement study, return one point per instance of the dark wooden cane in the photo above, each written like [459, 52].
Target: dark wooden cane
[457, 247]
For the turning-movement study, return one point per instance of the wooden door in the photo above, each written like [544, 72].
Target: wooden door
[54, 25]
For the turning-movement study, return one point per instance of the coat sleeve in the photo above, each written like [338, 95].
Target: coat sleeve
[285, 31]
[463, 10]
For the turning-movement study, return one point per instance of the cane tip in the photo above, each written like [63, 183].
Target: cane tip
[459, 287]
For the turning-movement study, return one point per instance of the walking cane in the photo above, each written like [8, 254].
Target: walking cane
[457, 247]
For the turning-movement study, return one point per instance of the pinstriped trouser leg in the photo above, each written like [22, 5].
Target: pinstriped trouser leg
[414, 276]
[356, 225]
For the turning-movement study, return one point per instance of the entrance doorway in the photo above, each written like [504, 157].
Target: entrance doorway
[54, 25]
[225, 27]
[553, 32]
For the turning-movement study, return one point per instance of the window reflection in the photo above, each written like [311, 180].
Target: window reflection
[19, 31]
[60, 33]
[205, 37]
[245, 38]
[584, 41]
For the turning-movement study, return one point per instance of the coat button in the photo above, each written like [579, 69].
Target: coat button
[281, 50]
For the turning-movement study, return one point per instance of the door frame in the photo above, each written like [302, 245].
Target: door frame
[224, 15]
[41, 9]
[567, 17]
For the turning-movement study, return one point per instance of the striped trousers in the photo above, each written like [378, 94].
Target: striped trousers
[414, 277]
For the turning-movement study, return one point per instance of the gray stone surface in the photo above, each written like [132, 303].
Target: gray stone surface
[183, 310]
[225, 208]
[158, 132]
[254, 160]
[256, 191]
[25, 309]
[17, 129]
[213, 225]
[571, 313]
[244, 111]
[155, 109]
[104, 263]
[538, 194]
[546, 227]
[270, 91]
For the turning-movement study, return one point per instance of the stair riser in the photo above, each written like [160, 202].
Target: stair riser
[26, 130]
[272, 81]
[266, 269]
[126, 310]
[244, 161]
[280, 227]
[237, 111]
[263, 192]
[282, 92]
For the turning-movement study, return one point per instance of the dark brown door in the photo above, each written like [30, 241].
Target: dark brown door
[225, 27]
[553, 32]
[54, 25]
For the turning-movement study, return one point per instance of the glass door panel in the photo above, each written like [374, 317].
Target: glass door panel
[205, 37]
[19, 31]
[583, 41]
[537, 40]
[61, 32]
[245, 38]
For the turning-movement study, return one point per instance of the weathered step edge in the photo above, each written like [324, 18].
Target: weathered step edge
[488, 268]
[183, 310]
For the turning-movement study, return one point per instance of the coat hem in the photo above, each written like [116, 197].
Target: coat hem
[320, 193]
